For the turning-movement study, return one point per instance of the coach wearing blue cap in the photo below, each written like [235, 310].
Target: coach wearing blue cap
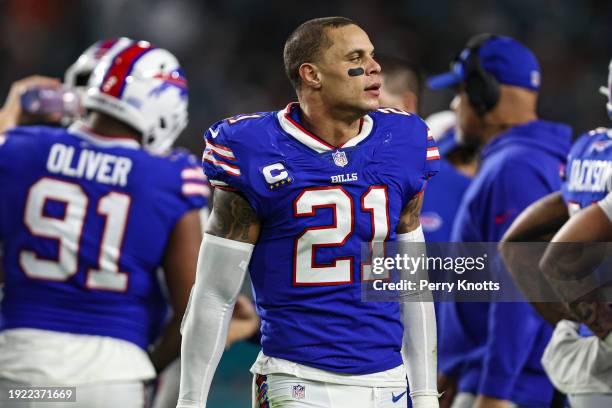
[494, 350]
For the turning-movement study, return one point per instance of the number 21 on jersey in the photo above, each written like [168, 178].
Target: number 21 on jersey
[305, 270]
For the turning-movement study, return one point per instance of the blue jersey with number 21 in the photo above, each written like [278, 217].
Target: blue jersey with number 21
[317, 203]
[84, 222]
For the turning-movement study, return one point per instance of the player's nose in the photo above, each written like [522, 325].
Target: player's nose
[373, 67]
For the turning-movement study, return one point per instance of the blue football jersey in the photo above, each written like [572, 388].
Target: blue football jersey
[588, 171]
[317, 204]
[84, 222]
[587, 174]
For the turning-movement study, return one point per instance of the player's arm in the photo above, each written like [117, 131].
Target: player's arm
[233, 218]
[592, 224]
[245, 321]
[225, 252]
[179, 267]
[11, 114]
[418, 317]
[571, 266]
[538, 222]
[564, 257]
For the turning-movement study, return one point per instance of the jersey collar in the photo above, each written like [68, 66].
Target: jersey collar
[81, 130]
[293, 128]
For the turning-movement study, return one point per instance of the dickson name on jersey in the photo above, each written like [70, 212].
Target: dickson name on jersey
[589, 169]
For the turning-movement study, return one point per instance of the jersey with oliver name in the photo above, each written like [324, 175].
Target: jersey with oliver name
[317, 204]
[589, 170]
[84, 222]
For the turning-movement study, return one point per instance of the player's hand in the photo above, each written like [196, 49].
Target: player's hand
[11, 114]
[245, 321]
[597, 316]
[482, 401]
[448, 387]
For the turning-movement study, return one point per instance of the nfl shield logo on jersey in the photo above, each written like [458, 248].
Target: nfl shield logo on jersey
[340, 158]
[299, 391]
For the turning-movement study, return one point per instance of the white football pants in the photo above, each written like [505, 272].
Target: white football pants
[287, 391]
[579, 366]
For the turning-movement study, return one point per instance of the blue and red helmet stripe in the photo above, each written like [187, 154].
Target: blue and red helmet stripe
[173, 79]
[121, 67]
[103, 47]
[176, 77]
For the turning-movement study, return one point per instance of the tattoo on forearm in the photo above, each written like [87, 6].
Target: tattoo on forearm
[409, 218]
[596, 315]
[232, 217]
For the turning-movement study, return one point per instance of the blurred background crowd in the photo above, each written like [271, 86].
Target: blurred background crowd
[231, 50]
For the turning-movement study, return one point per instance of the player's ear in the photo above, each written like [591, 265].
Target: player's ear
[310, 75]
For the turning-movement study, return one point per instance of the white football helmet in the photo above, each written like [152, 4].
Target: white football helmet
[144, 87]
[607, 91]
[77, 75]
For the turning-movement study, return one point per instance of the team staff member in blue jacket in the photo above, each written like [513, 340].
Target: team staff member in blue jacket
[494, 350]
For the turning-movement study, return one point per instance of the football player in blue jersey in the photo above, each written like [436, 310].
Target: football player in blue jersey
[575, 359]
[87, 216]
[297, 192]
[244, 321]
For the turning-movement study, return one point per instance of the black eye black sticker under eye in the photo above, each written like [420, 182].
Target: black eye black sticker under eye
[356, 72]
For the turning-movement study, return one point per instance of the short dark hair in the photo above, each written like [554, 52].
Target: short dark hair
[306, 42]
[394, 66]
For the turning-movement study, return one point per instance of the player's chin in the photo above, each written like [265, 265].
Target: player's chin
[371, 102]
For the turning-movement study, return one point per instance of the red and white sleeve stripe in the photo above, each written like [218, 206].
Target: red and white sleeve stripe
[194, 182]
[432, 150]
[217, 155]
[433, 153]
[221, 151]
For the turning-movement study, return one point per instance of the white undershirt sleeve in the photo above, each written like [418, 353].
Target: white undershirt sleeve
[606, 205]
[419, 347]
[222, 265]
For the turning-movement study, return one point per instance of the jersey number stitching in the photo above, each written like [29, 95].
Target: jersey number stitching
[68, 231]
[306, 272]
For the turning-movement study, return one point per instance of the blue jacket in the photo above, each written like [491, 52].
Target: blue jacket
[495, 349]
[441, 202]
